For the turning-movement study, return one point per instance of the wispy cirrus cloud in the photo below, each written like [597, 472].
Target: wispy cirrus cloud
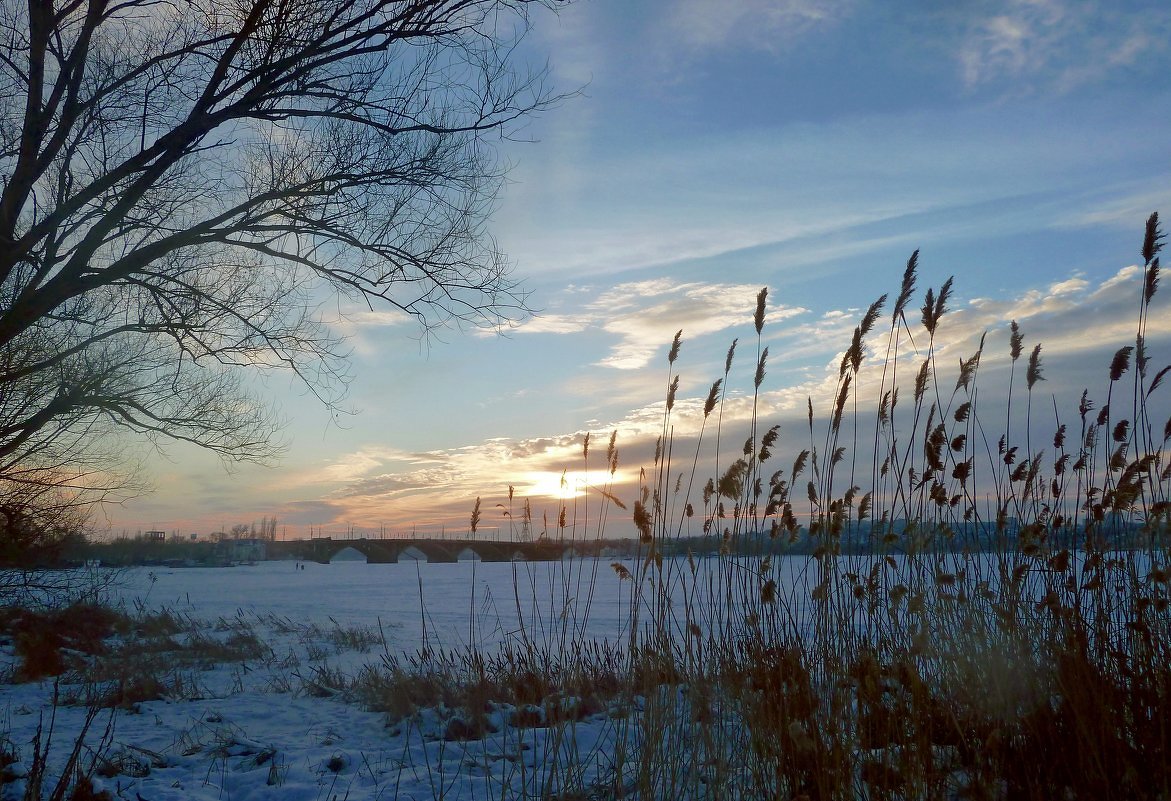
[645, 315]
[555, 324]
[361, 462]
[762, 24]
[1061, 44]
[1079, 322]
[390, 485]
[309, 513]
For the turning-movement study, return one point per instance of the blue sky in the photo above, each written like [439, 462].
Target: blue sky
[715, 148]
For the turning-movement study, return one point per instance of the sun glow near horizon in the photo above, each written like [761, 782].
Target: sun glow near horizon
[570, 484]
[698, 168]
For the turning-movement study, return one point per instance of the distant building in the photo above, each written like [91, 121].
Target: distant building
[155, 536]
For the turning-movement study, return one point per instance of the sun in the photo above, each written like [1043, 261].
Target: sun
[566, 485]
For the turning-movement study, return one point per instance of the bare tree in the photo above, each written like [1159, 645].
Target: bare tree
[36, 521]
[187, 184]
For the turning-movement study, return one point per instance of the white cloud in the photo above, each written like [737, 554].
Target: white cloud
[646, 314]
[361, 327]
[389, 485]
[1069, 286]
[1079, 322]
[1060, 44]
[382, 317]
[761, 24]
[998, 46]
[550, 324]
[826, 192]
[651, 312]
[1070, 318]
[1123, 276]
[359, 463]
[1124, 211]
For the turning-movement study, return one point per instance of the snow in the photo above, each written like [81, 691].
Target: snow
[248, 730]
[253, 730]
[399, 597]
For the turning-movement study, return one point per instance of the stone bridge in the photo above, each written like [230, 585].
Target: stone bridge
[386, 551]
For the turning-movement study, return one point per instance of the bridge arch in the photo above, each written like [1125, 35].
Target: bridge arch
[413, 553]
[349, 554]
[383, 551]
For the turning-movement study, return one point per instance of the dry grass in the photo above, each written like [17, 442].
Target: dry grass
[980, 608]
[931, 598]
[539, 687]
[974, 621]
[112, 658]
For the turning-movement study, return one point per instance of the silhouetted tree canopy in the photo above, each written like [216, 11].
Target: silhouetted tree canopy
[187, 186]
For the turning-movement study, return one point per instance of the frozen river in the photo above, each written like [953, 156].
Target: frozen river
[490, 603]
[403, 598]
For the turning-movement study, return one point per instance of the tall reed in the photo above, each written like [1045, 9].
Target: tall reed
[932, 588]
[932, 614]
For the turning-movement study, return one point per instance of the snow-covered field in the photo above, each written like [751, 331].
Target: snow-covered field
[252, 730]
[249, 731]
[399, 596]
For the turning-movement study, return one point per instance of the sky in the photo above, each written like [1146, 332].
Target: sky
[807, 146]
